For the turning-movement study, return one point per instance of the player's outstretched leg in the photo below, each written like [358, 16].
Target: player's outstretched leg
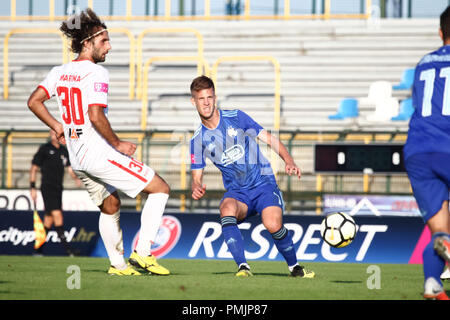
[283, 241]
[233, 238]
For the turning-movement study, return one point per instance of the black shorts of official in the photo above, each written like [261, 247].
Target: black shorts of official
[52, 198]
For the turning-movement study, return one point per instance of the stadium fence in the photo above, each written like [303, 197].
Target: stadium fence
[168, 153]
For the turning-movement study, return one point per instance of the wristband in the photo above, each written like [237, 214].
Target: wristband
[32, 185]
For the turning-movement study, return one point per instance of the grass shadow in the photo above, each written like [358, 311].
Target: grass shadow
[143, 272]
[284, 275]
[254, 274]
[95, 270]
[346, 281]
[225, 272]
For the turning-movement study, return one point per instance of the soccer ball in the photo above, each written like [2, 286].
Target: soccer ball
[338, 229]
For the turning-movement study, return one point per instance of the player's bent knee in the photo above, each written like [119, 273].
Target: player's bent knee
[273, 226]
[109, 209]
[111, 204]
[157, 185]
[165, 188]
[227, 209]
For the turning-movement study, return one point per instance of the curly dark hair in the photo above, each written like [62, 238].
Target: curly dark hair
[81, 26]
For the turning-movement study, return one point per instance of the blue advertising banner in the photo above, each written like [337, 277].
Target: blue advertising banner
[380, 239]
[17, 233]
[199, 236]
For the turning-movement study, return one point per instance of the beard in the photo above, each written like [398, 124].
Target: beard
[98, 57]
[210, 115]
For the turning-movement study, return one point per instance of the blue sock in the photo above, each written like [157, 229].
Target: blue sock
[233, 238]
[433, 264]
[283, 241]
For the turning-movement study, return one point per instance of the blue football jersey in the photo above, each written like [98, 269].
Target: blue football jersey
[429, 127]
[233, 149]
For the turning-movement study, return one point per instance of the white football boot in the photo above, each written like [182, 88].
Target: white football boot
[433, 290]
[445, 276]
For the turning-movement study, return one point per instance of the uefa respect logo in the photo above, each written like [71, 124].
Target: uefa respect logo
[233, 146]
[168, 235]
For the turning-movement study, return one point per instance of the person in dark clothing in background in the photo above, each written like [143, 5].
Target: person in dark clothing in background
[52, 158]
[233, 7]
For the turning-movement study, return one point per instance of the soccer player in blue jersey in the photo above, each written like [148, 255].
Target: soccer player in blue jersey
[427, 156]
[228, 139]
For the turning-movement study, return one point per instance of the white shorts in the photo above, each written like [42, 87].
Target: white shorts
[115, 171]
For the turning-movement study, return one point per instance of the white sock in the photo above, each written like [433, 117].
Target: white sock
[111, 233]
[292, 267]
[150, 221]
[244, 264]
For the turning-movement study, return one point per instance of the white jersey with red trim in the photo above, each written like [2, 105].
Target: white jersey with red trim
[78, 85]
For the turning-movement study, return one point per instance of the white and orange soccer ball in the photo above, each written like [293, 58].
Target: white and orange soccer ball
[338, 229]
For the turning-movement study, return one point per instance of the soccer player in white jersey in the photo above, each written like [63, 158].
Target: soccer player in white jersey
[99, 158]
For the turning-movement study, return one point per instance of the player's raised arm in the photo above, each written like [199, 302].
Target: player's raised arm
[198, 189]
[103, 127]
[278, 146]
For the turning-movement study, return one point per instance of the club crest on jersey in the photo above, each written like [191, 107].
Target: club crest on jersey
[211, 146]
[232, 154]
[232, 132]
[75, 133]
[101, 87]
[168, 235]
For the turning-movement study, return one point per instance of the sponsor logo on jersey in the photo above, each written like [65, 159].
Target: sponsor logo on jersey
[75, 133]
[101, 87]
[168, 235]
[232, 154]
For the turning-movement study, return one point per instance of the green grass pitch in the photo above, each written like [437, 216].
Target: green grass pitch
[42, 278]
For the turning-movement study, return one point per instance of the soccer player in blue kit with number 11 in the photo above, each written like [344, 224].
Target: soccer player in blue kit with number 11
[427, 156]
[228, 139]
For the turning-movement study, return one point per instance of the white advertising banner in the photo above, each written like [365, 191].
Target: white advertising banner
[19, 199]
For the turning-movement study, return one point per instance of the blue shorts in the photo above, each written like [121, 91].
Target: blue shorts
[429, 174]
[257, 199]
